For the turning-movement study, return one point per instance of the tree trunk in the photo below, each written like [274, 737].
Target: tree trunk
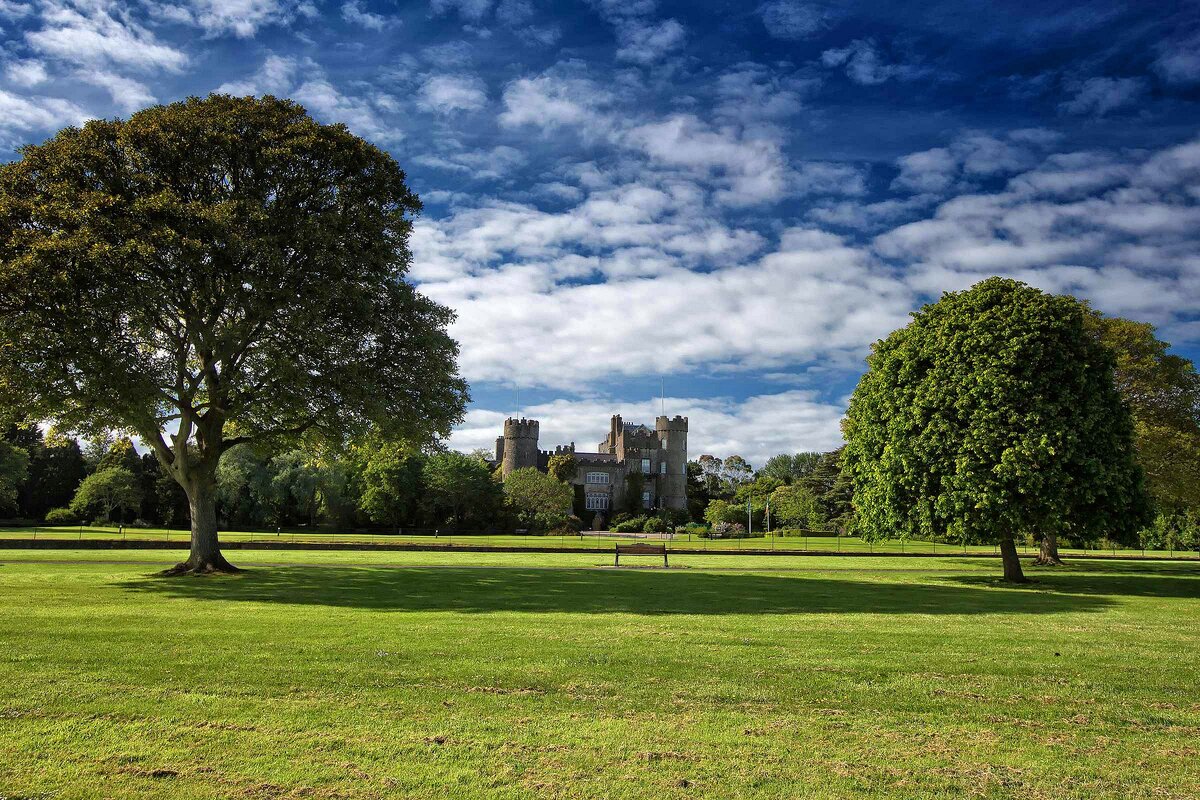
[205, 557]
[1012, 562]
[1048, 553]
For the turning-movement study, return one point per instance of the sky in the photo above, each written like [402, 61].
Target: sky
[712, 208]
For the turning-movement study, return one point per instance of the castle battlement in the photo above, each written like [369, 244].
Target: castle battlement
[520, 428]
[676, 423]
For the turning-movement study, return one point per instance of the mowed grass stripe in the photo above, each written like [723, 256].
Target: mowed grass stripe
[359, 681]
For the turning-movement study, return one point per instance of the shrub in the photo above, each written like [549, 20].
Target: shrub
[60, 516]
[631, 525]
[654, 525]
[728, 530]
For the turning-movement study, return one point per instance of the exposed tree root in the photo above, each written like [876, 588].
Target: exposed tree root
[216, 565]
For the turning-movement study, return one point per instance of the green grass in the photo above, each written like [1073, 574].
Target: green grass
[379, 675]
[847, 544]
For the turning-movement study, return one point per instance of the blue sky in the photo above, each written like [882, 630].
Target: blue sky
[733, 199]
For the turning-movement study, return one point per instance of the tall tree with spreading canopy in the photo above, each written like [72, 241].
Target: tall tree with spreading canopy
[993, 413]
[214, 272]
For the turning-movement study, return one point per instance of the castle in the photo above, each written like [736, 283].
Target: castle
[659, 454]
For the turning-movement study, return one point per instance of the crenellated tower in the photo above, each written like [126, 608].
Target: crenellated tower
[672, 484]
[520, 445]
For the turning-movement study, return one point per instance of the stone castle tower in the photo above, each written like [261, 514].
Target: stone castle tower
[672, 437]
[518, 447]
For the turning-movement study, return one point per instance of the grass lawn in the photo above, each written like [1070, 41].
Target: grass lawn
[381, 675]
[850, 544]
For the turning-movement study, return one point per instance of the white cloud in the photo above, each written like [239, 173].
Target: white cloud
[749, 169]
[242, 18]
[815, 297]
[867, 66]
[1178, 61]
[98, 35]
[1099, 96]
[972, 155]
[354, 13]
[552, 100]
[790, 19]
[643, 42]
[27, 73]
[307, 83]
[755, 428]
[23, 115]
[450, 93]
[128, 94]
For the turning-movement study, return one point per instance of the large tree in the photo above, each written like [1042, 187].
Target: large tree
[993, 413]
[214, 272]
[1163, 392]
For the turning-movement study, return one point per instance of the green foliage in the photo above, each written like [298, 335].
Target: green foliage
[541, 501]
[113, 489]
[61, 516]
[720, 511]
[1172, 530]
[224, 267]
[14, 469]
[1163, 392]
[834, 490]
[789, 468]
[459, 491]
[795, 506]
[655, 524]
[390, 476]
[992, 413]
[563, 467]
[629, 525]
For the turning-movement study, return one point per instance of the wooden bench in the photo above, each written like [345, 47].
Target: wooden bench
[640, 549]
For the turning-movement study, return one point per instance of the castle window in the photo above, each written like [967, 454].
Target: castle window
[596, 502]
[662, 468]
[646, 466]
[597, 477]
[645, 499]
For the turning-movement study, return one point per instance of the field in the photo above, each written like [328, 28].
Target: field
[375, 675]
[822, 543]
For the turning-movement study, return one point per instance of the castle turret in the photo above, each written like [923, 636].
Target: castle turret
[672, 438]
[520, 445]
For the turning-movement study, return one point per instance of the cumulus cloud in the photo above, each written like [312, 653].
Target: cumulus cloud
[972, 155]
[450, 93]
[241, 18]
[866, 65]
[27, 73]
[813, 297]
[1114, 230]
[1099, 96]
[21, 115]
[100, 35]
[554, 99]
[641, 39]
[306, 82]
[1178, 61]
[129, 95]
[790, 19]
[755, 428]
[354, 13]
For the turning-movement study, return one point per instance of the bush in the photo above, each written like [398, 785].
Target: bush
[694, 529]
[727, 530]
[631, 525]
[61, 516]
[655, 525]
[569, 526]
[620, 517]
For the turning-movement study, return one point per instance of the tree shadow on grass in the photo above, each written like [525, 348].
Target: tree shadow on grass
[1093, 582]
[479, 591]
